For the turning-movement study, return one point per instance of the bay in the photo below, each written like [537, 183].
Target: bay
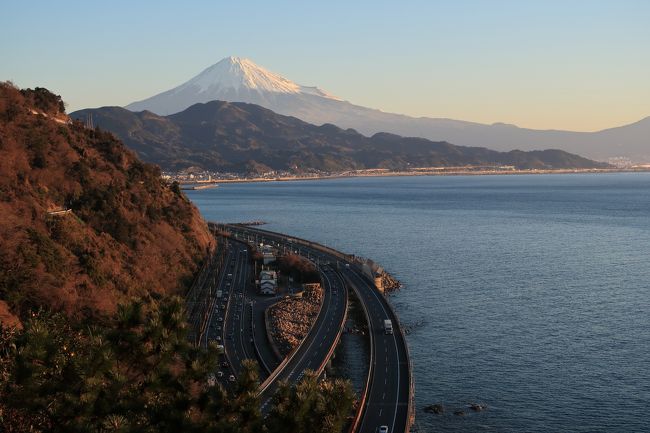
[529, 294]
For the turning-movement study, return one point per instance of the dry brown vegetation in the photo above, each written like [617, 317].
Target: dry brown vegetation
[127, 233]
[292, 318]
[298, 268]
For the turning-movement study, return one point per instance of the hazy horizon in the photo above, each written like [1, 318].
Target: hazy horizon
[581, 66]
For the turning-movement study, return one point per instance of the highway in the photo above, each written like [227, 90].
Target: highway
[318, 347]
[244, 332]
[389, 396]
[237, 332]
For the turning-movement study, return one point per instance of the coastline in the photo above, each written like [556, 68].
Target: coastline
[432, 172]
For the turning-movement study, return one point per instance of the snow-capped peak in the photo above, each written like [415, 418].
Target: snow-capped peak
[239, 73]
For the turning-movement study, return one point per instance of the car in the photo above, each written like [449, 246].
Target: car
[218, 328]
[231, 378]
[218, 338]
[224, 364]
[219, 319]
[223, 306]
[382, 429]
[219, 373]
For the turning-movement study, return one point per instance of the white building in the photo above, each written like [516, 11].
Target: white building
[268, 253]
[268, 283]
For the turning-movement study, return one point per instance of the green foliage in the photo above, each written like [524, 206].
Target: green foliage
[44, 100]
[176, 188]
[141, 374]
[46, 251]
[138, 373]
[313, 406]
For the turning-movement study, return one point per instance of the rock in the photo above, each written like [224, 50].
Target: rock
[435, 408]
[477, 407]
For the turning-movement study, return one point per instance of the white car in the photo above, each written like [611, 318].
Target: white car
[382, 429]
[231, 378]
[219, 373]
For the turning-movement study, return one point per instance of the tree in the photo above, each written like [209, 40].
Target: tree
[137, 372]
[312, 406]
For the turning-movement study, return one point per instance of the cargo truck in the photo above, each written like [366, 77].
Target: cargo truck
[388, 327]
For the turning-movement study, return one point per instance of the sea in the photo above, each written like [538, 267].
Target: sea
[528, 294]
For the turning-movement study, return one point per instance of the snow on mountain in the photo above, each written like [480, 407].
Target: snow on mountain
[234, 79]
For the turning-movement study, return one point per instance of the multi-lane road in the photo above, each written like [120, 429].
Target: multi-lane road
[317, 348]
[388, 401]
[388, 398]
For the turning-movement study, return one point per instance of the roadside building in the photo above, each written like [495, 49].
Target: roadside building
[268, 283]
[268, 253]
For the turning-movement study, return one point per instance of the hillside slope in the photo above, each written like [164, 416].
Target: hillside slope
[122, 230]
[241, 137]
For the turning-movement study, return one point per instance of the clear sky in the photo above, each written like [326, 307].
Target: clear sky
[562, 64]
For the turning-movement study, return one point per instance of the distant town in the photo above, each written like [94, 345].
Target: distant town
[200, 178]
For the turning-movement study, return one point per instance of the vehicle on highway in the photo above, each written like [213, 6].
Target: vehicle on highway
[224, 364]
[218, 338]
[219, 319]
[223, 306]
[231, 378]
[382, 429]
[388, 327]
[220, 348]
[219, 373]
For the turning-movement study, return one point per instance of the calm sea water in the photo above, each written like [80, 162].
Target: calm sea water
[530, 294]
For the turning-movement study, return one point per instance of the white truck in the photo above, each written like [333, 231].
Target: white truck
[388, 327]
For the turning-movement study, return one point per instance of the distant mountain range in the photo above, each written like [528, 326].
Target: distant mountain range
[241, 137]
[240, 80]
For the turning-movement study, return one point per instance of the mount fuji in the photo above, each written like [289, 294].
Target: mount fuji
[235, 79]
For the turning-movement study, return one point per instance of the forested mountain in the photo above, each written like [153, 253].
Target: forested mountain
[85, 224]
[241, 137]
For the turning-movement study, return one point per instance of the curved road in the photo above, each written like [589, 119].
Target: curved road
[388, 401]
[318, 347]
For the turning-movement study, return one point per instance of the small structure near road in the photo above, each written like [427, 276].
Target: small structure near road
[268, 283]
[59, 211]
[268, 254]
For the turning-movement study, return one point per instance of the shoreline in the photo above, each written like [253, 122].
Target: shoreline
[464, 172]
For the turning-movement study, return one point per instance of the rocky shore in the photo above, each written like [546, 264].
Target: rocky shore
[292, 318]
[389, 283]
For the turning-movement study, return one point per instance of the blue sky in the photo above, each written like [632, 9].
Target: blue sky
[572, 64]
